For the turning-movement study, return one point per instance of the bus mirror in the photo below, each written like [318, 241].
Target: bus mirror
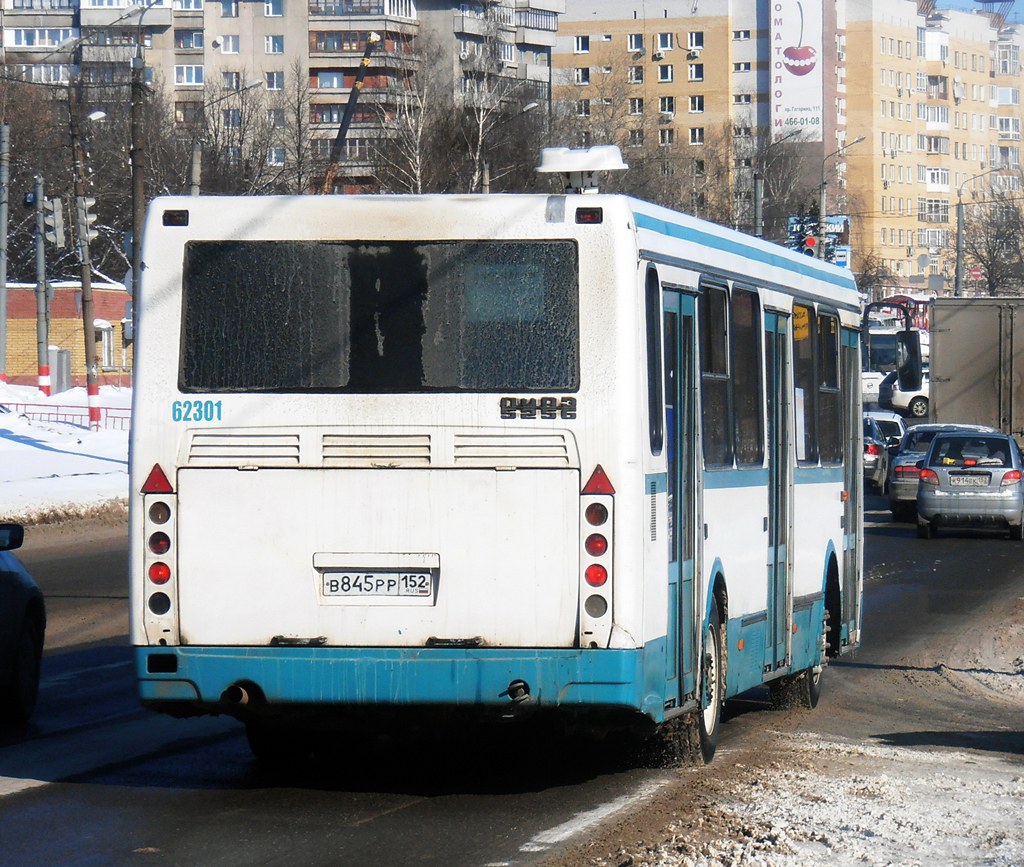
[908, 360]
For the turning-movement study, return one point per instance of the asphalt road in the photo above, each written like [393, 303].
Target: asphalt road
[98, 780]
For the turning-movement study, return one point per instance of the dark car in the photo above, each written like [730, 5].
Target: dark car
[971, 480]
[876, 455]
[904, 470]
[22, 627]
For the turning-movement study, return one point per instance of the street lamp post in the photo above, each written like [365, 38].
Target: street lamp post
[821, 198]
[958, 278]
[485, 177]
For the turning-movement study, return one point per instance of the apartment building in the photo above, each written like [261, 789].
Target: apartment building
[698, 72]
[898, 108]
[199, 50]
[942, 103]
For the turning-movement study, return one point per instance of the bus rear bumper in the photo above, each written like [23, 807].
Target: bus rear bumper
[251, 680]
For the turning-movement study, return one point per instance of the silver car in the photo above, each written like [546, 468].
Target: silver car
[971, 480]
[904, 470]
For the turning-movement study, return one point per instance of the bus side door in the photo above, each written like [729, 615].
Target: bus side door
[681, 445]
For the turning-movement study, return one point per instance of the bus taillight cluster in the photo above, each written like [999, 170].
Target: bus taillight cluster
[159, 530]
[595, 589]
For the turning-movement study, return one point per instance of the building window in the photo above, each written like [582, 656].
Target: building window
[581, 75]
[581, 44]
[636, 138]
[229, 44]
[697, 135]
[636, 75]
[275, 156]
[275, 118]
[188, 112]
[228, 8]
[105, 344]
[188, 76]
[666, 137]
[273, 44]
[583, 108]
[232, 118]
[636, 105]
[665, 73]
[741, 99]
[667, 105]
[233, 155]
[635, 42]
[743, 66]
[741, 35]
[188, 5]
[231, 80]
[275, 81]
[695, 72]
[185, 40]
[695, 40]
[665, 42]
[273, 8]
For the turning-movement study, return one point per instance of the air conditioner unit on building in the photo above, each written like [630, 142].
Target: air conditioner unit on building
[885, 185]
[695, 53]
[899, 91]
[910, 251]
[658, 55]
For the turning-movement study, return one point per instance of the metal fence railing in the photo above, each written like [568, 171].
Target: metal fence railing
[111, 417]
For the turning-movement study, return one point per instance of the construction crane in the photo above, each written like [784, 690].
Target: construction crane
[346, 118]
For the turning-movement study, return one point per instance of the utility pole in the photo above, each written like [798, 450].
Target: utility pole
[758, 204]
[5, 184]
[138, 161]
[83, 233]
[42, 308]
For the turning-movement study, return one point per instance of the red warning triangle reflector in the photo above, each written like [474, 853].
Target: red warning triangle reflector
[156, 482]
[599, 483]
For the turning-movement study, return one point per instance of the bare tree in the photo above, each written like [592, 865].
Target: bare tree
[418, 135]
[873, 277]
[992, 237]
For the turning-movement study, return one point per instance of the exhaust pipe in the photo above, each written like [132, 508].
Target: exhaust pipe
[236, 694]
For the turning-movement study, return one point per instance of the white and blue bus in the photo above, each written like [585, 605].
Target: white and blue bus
[574, 454]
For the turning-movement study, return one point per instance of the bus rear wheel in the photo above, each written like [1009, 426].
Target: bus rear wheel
[710, 716]
[800, 690]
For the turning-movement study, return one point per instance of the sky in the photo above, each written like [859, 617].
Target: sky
[49, 470]
[970, 5]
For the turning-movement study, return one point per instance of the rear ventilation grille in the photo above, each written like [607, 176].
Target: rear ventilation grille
[230, 450]
[501, 450]
[370, 450]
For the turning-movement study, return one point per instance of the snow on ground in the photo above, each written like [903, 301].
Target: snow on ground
[52, 470]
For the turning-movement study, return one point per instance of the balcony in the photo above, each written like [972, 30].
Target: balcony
[120, 17]
[107, 53]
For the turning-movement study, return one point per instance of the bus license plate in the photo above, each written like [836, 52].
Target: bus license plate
[350, 584]
[968, 480]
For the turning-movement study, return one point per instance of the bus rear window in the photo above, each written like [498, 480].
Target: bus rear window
[380, 317]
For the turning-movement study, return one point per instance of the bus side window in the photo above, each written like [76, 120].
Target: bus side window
[746, 378]
[714, 376]
[830, 410]
[655, 393]
[804, 382]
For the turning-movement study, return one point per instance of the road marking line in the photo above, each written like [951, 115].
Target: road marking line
[582, 821]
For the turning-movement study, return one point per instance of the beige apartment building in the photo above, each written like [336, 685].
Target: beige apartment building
[897, 108]
[201, 50]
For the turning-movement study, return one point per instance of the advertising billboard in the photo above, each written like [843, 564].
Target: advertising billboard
[796, 59]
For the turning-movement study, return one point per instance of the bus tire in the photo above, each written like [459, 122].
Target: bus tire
[800, 690]
[709, 717]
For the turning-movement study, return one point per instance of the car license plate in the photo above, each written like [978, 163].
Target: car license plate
[969, 480]
[414, 584]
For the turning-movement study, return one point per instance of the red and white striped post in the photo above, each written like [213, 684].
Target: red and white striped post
[44, 379]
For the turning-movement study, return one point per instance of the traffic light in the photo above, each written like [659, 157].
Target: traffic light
[86, 218]
[53, 221]
[809, 246]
